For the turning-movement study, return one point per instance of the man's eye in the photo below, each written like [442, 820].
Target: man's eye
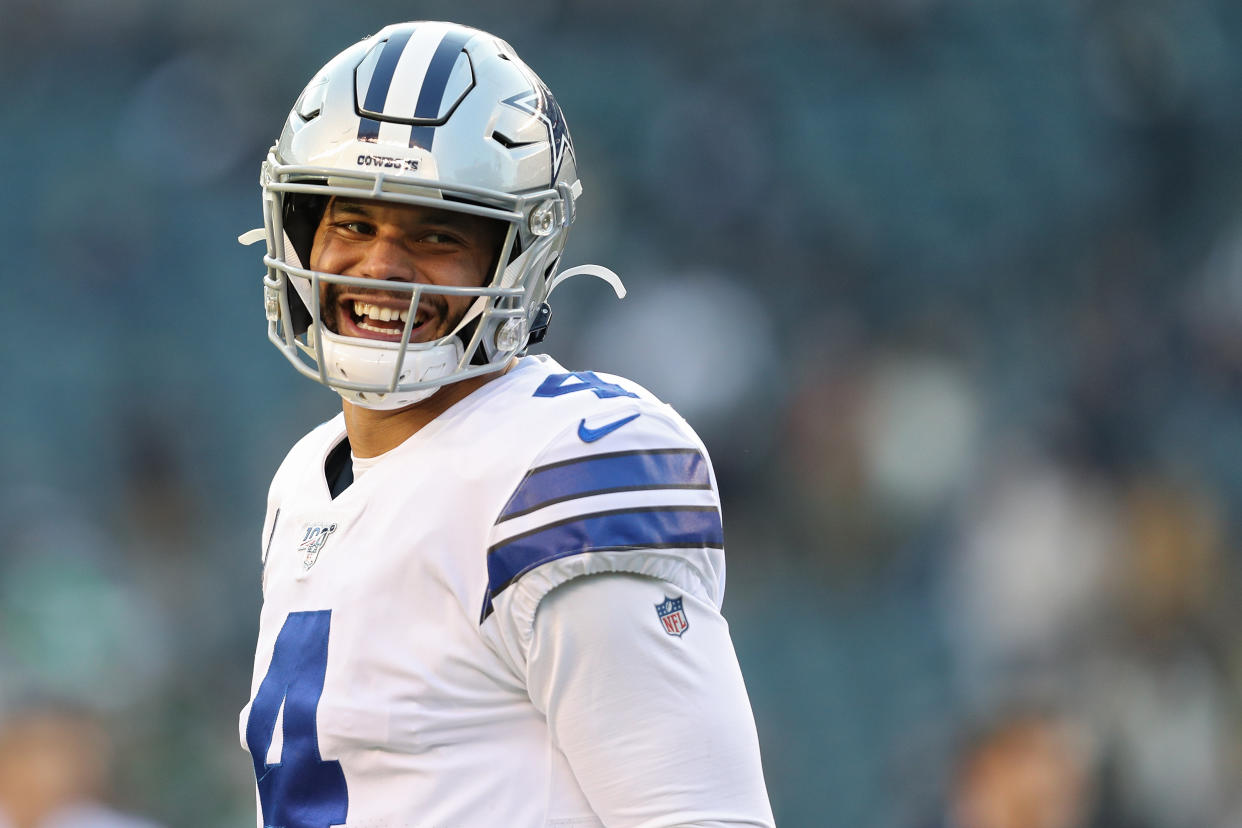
[357, 227]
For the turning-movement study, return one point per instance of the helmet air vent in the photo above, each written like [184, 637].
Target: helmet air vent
[509, 143]
[310, 103]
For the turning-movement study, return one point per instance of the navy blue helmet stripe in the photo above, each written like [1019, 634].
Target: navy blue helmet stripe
[678, 527]
[604, 473]
[381, 79]
[434, 83]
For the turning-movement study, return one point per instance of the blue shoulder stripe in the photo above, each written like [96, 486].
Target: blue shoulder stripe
[623, 471]
[641, 528]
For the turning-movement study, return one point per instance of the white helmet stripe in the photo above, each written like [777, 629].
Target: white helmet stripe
[431, 97]
[410, 73]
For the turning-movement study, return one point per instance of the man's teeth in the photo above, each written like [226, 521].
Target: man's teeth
[377, 313]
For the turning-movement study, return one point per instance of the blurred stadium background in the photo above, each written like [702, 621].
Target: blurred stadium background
[951, 288]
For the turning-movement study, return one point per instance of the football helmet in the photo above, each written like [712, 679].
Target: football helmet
[435, 115]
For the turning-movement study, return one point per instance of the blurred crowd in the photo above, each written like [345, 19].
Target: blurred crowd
[951, 288]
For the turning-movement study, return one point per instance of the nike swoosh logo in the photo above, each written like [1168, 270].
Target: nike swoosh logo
[590, 435]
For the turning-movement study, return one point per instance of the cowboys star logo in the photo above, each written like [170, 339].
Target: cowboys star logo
[539, 102]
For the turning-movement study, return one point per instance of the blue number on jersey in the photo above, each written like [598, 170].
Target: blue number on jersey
[558, 384]
[301, 790]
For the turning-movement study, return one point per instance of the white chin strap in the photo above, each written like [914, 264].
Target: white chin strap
[598, 271]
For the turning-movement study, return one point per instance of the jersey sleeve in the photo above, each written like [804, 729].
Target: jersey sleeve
[642, 500]
[653, 718]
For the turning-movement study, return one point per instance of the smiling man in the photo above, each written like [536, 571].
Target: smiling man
[405, 244]
[491, 586]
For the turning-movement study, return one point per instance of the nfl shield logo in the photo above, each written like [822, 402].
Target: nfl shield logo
[672, 616]
[312, 542]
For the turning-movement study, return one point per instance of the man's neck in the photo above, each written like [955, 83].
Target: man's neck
[373, 432]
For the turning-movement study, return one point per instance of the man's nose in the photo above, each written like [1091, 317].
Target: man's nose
[387, 258]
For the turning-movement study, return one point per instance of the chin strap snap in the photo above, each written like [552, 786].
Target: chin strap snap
[539, 328]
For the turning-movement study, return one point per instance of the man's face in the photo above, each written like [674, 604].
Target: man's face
[400, 243]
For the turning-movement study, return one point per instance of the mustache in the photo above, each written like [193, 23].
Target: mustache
[436, 302]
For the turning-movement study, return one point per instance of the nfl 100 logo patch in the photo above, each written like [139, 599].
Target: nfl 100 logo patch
[672, 616]
[312, 542]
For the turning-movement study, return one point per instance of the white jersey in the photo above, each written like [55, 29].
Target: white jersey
[403, 676]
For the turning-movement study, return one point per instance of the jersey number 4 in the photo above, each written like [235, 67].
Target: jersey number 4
[300, 790]
[557, 384]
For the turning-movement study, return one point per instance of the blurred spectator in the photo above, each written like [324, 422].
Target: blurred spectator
[1031, 583]
[1029, 770]
[54, 764]
[1162, 696]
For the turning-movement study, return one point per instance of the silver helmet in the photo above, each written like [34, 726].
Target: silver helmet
[434, 115]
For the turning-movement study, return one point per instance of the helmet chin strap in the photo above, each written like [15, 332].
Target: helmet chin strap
[302, 286]
[598, 271]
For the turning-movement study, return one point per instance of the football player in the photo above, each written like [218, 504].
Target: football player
[491, 585]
